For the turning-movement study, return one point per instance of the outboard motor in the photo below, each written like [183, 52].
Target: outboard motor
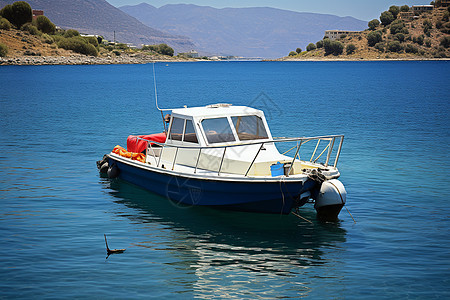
[330, 200]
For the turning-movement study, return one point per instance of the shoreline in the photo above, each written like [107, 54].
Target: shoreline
[145, 59]
[84, 60]
[359, 59]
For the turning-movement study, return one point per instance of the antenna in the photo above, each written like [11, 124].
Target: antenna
[156, 100]
[154, 84]
[156, 93]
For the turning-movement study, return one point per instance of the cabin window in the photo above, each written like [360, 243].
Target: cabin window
[189, 133]
[176, 131]
[249, 128]
[218, 130]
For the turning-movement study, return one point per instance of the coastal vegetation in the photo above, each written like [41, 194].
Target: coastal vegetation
[23, 35]
[3, 50]
[163, 49]
[399, 33]
[18, 13]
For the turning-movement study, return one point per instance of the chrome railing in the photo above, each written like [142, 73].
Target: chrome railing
[319, 148]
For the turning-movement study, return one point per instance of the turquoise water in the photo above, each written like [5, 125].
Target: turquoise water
[54, 207]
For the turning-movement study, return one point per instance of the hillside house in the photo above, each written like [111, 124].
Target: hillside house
[336, 34]
[418, 9]
[37, 13]
[192, 53]
[406, 15]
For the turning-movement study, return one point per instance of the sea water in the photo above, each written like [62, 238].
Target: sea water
[56, 121]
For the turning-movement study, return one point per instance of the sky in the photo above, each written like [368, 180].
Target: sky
[361, 9]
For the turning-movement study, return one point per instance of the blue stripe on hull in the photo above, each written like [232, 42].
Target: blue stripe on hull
[266, 197]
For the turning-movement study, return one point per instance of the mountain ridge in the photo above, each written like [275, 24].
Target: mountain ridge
[252, 31]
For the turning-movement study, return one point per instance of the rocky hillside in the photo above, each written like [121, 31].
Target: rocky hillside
[426, 36]
[101, 18]
[251, 32]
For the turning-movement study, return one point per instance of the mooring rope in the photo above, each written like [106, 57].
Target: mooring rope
[349, 213]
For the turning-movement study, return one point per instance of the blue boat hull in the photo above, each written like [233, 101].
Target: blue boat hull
[253, 196]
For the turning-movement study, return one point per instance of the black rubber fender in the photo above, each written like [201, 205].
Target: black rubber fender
[113, 171]
[104, 168]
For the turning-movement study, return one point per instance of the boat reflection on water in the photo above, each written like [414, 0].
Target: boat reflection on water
[212, 244]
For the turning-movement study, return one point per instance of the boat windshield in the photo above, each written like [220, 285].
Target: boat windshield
[183, 130]
[249, 128]
[218, 130]
[176, 131]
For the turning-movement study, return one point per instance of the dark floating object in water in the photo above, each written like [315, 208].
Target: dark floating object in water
[102, 165]
[112, 251]
[113, 171]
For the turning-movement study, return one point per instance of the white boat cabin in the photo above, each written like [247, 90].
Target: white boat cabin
[221, 128]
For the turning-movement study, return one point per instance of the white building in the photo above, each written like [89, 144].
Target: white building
[336, 34]
[192, 53]
[421, 8]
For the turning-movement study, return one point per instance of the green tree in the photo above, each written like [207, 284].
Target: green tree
[150, 48]
[350, 49]
[293, 53]
[7, 12]
[45, 25]
[91, 40]
[395, 46]
[333, 47]
[411, 49]
[298, 50]
[400, 37]
[394, 10]
[419, 39]
[3, 50]
[379, 46]
[374, 37]
[164, 49]
[71, 33]
[30, 28]
[21, 13]
[427, 26]
[398, 26]
[319, 44]
[445, 41]
[77, 44]
[311, 47]
[121, 46]
[5, 24]
[446, 16]
[404, 8]
[386, 18]
[47, 39]
[374, 24]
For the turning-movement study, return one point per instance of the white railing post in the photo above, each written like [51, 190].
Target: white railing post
[329, 151]
[339, 151]
[174, 158]
[254, 158]
[160, 156]
[198, 158]
[293, 160]
[221, 162]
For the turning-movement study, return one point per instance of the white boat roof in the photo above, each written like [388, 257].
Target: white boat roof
[217, 110]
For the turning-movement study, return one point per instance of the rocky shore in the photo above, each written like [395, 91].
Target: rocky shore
[84, 60]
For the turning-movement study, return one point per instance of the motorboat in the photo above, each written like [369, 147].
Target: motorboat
[224, 156]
